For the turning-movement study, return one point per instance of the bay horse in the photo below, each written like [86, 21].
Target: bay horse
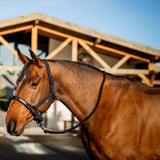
[126, 124]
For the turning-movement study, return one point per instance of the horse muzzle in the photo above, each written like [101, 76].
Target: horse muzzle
[11, 128]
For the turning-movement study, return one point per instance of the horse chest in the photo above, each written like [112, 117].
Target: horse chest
[92, 144]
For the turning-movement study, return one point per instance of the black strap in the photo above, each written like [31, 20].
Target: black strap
[51, 79]
[52, 131]
[31, 108]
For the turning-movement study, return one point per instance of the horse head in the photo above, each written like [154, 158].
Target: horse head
[32, 86]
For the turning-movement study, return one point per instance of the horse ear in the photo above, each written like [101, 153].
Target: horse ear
[35, 58]
[24, 59]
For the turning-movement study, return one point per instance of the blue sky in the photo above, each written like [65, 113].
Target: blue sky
[134, 20]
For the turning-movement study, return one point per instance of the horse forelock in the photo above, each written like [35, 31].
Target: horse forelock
[24, 70]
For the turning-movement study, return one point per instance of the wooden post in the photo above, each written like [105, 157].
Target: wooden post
[34, 39]
[74, 50]
[153, 77]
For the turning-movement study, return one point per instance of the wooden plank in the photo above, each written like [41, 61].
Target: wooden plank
[14, 30]
[121, 62]
[9, 68]
[51, 31]
[127, 71]
[4, 42]
[94, 54]
[74, 50]
[156, 82]
[34, 39]
[59, 48]
[144, 79]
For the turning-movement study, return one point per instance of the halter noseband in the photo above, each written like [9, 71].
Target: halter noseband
[34, 109]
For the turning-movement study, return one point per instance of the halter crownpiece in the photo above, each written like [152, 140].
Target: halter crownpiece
[34, 109]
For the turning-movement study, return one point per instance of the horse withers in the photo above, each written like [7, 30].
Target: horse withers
[125, 126]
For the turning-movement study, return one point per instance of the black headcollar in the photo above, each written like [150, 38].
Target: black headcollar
[34, 109]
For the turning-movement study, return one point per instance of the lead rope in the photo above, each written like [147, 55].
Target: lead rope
[52, 131]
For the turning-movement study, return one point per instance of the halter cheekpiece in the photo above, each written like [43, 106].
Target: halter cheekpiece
[38, 117]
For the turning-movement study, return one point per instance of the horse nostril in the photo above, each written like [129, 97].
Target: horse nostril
[11, 126]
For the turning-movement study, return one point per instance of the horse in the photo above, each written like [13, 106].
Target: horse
[126, 123]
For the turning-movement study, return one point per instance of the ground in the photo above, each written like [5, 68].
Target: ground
[34, 145]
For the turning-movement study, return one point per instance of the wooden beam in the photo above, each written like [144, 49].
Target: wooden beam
[51, 31]
[59, 48]
[74, 50]
[14, 30]
[127, 71]
[121, 62]
[94, 54]
[34, 39]
[9, 68]
[4, 42]
[156, 82]
[144, 79]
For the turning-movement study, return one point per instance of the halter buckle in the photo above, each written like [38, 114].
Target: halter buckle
[51, 79]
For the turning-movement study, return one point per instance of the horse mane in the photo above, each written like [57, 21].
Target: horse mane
[77, 64]
[139, 85]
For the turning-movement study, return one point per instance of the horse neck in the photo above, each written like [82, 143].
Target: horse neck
[76, 86]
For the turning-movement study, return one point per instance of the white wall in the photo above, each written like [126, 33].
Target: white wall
[56, 115]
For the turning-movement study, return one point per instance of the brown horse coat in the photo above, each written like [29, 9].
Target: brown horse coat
[126, 123]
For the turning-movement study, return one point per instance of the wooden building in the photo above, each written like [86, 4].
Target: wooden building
[115, 55]
[53, 38]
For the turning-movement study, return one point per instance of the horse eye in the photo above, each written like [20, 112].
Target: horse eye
[34, 84]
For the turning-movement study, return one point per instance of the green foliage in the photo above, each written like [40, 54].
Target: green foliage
[2, 95]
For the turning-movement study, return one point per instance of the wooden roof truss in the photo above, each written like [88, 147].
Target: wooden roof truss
[37, 28]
